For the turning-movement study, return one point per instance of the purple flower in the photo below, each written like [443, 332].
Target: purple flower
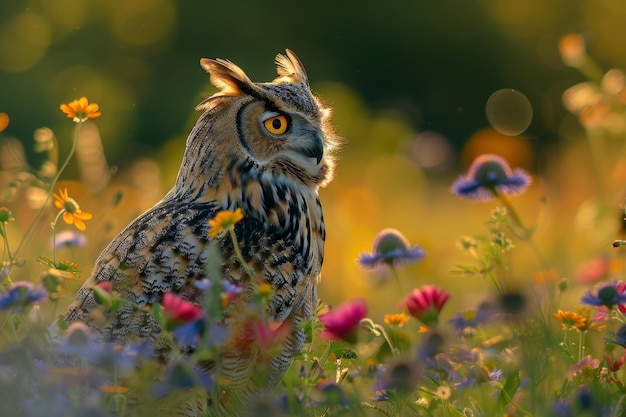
[20, 295]
[609, 295]
[69, 238]
[392, 249]
[469, 320]
[489, 175]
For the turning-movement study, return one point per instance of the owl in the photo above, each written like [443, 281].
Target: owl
[264, 148]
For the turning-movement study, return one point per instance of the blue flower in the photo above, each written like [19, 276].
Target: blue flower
[608, 295]
[469, 320]
[20, 295]
[489, 175]
[392, 249]
[69, 238]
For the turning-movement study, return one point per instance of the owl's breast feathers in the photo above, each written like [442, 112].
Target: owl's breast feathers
[164, 250]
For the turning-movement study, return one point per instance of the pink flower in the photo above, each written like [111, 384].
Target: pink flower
[425, 303]
[269, 337]
[179, 311]
[103, 294]
[343, 321]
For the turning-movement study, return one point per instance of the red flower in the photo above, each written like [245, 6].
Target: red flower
[426, 303]
[342, 322]
[179, 311]
[614, 365]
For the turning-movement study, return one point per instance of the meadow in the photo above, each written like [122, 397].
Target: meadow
[495, 290]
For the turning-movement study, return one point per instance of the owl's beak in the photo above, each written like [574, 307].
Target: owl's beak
[314, 149]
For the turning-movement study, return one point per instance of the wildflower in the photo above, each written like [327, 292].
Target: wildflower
[392, 249]
[113, 389]
[72, 214]
[342, 322]
[224, 220]
[103, 294]
[614, 365]
[254, 331]
[5, 215]
[426, 303]
[469, 320]
[69, 238]
[443, 392]
[603, 311]
[230, 293]
[80, 110]
[570, 320]
[396, 319]
[585, 367]
[572, 50]
[488, 176]
[179, 311]
[20, 295]
[608, 295]
[619, 336]
[4, 121]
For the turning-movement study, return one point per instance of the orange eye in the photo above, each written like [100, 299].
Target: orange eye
[277, 125]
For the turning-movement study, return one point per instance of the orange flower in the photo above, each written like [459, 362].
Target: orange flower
[4, 121]
[72, 214]
[571, 320]
[80, 110]
[396, 319]
[113, 389]
[224, 220]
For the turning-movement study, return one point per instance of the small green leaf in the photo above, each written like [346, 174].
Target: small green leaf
[509, 389]
[158, 314]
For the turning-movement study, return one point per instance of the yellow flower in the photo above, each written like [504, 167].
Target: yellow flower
[4, 121]
[571, 320]
[80, 110]
[265, 289]
[72, 214]
[224, 220]
[396, 319]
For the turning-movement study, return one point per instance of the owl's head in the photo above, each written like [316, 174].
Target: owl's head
[280, 126]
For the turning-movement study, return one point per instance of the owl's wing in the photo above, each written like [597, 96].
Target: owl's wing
[161, 251]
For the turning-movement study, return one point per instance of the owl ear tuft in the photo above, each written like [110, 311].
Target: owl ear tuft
[228, 77]
[290, 69]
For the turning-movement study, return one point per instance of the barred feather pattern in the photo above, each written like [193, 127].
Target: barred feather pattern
[230, 162]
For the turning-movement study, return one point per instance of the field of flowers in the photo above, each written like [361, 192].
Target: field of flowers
[497, 292]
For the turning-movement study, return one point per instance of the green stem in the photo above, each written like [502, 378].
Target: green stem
[526, 232]
[50, 188]
[233, 236]
[495, 282]
[581, 345]
[6, 250]
[54, 236]
[396, 278]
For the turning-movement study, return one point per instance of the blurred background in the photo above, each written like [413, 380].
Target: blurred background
[409, 81]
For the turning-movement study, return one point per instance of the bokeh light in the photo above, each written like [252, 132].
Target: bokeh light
[24, 40]
[509, 111]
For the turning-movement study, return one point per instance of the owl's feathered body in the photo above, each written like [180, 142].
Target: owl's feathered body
[263, 147]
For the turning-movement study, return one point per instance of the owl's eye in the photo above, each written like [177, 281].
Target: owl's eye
[277, 125]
